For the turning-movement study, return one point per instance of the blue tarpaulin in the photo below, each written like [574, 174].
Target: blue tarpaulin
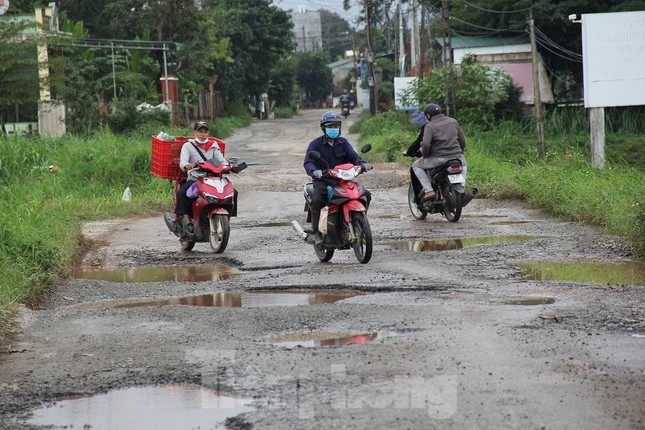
[419, 119]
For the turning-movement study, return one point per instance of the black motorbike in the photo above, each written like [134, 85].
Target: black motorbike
[448, 182]
[344, 110]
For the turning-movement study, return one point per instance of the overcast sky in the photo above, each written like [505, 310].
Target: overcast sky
[330, 5]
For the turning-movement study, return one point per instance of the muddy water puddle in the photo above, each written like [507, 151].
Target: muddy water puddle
[156, 407]
[160, 274]
[260, 299]
[316, 340]
[448, 244]
[594, 272]
[527, 301]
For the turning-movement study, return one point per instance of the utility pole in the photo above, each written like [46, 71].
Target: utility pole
[413, 41]
[370, 59]
[401, 43]
[537, 96]
[451, 108]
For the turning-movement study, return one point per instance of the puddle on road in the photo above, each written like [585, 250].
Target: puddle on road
[510, 222]
[325, 339]
[160, 274]
[168, 406]
[237, 299]
[594, 272]
[529, 301]
[446, 245]
[272, 224]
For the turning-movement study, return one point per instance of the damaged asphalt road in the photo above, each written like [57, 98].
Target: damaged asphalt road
[441, 329]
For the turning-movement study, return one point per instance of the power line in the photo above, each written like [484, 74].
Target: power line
[502, 12]
[510, 29]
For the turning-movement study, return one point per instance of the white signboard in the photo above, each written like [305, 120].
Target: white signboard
[613, 50]
[400, 86]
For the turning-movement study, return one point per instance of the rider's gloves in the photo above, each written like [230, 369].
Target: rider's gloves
[317, 174]
[365, 167]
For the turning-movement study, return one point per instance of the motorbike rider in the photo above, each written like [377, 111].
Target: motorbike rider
[199, 148]
[335, 150]
[345, 99]
[442, 140]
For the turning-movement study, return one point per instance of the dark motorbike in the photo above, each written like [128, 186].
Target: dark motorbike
[448, 182]
[343, 223]
[344, 110]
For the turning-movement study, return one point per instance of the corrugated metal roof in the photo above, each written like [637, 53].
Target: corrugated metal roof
[459, 42]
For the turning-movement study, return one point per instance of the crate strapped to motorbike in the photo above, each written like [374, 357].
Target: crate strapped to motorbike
[164, 161]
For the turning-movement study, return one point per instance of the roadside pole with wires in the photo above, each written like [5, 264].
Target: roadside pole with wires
[537, 97]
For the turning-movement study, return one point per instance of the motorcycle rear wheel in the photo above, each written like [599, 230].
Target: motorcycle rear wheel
[363, 245]
[220, 230]
[414, 208]
[323, 253]
[452, 205]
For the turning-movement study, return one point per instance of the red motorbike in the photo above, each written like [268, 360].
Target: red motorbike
[215, 202]
[343, 222]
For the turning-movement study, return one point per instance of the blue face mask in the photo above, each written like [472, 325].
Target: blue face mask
[332, 133]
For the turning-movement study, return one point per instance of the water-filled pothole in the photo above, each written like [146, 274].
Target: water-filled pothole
[595, 272]
[325, 339]
[216, 272]
[272, 224]
[448, 244]
[157, 407]
[528, 301]
[249, 299]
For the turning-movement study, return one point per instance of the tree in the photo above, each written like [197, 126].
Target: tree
[283, 82]
[260, 36]
[19, 85]
[336, 34]
[483, 95]
[314, 77]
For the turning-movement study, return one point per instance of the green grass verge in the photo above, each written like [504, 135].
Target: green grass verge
[41, 211]
[503, 163]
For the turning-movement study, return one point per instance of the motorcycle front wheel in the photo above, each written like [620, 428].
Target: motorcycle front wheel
[414, 208]
[452, 205]
[220, 230]
[363, 245]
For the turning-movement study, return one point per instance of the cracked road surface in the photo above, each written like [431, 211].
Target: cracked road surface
[444, 334]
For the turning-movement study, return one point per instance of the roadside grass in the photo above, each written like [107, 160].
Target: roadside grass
[503, 163]
[42, 209]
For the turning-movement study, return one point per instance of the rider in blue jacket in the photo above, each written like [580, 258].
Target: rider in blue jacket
[335, 150]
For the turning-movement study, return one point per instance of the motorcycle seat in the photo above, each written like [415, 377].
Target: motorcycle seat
[447, 164]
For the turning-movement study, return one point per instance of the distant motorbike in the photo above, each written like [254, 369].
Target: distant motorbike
[344, 110]
[215, 203]
[448, 182]
[343, 223]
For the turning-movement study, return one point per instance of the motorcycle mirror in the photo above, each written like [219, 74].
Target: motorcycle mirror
[314, 155]
[366, 148]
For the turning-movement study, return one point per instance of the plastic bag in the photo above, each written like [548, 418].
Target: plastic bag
[192, 191]
[165, 136]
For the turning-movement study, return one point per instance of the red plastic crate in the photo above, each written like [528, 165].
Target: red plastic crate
[165, 156]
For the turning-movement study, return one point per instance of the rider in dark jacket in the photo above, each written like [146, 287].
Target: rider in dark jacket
[334, 150]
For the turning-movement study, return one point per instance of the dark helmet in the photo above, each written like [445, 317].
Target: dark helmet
[432, 109]
[330, 118]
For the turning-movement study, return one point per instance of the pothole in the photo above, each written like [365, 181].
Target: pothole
[326, 339]
[449, 244]
[596, 272]
[527, 301]
[248, 299]
[216, 272]
[146, 407]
